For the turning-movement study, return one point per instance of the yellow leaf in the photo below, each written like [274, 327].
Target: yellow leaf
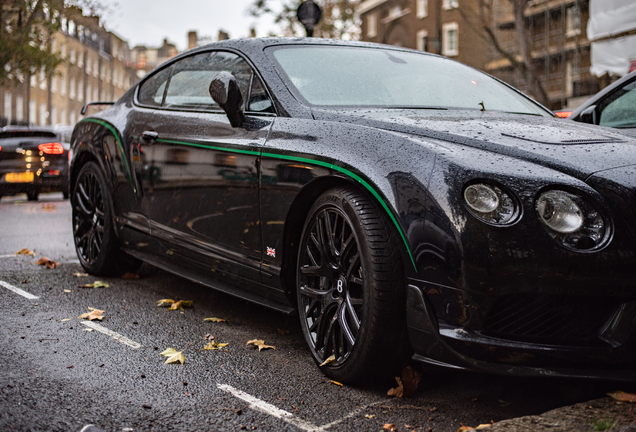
[397, 391]
[214, 345]
[165, 302]
[96, 284]
[25, 251]
[173, 355]
[44, 261]
[389, 427]
[337, 383]
[369, 415]
[330, 359]
[181, 304]
[465, 428]
[623, 397]
[95, 314]
[407, 384]
[260, 344]
[216, 320]
[78, 274]
[483, 426]
[65, 319]
[67, 291]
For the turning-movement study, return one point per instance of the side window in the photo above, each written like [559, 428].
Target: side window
[152, 90]
[259, 99]
[619, 109]
[191, 78]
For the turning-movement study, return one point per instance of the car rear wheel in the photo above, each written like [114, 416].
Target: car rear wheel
[94, 233]
[33, 196]
[351, 288]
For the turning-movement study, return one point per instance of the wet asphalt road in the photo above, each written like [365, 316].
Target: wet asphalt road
[58, 376]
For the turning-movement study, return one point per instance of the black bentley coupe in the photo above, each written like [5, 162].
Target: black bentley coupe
[403, 204]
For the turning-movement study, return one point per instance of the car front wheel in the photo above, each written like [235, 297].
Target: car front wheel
[351, 288]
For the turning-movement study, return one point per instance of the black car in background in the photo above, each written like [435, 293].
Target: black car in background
[403, 204]
[34, 160]
[614, 106]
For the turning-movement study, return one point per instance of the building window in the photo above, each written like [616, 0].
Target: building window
[71, 89]
[71, 55]
[62, 85]
[421, 8]
[53, 83]
[80, 91]
[422, 40]
[73, 118]
[88, 65]
[19, 108]
[53, 115]
[450, 4]
[63, 116]
[43, 114]
[95, 94]
[573, 21]
[62, 50]
[95, 68]
[42, 79]
[33, 80]
[450, 39]
[89, 92]
[372, 25]
[7, 106]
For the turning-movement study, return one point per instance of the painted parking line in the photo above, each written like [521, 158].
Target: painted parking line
[264, 407]
[119, 338]
[18, 291]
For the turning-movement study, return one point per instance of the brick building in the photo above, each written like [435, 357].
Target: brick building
[95, 67]
[454, 28]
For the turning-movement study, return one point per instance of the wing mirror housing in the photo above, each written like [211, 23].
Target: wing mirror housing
[587, 115]
[225, 91]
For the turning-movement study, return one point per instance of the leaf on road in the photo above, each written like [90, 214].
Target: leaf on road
[468, 428]
[48, 207]
[165, 302]
[389, 427]
[94, 314]
[623, 397]
[260, 344]
[283, 332]
[67, 291]
[173, 355]
[96, 284]
[65, 319]
[330, 359]
[181, 304]
[78, 274]
[209, 336]
[337, 383]
[214, 319]
[25, 251]
[214, 345]
[44, 261]
[129, 275]
[369, 415]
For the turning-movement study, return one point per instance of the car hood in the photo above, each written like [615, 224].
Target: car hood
[573, 148]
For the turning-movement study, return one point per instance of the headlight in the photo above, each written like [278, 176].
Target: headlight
[571, 220]
[491, 203]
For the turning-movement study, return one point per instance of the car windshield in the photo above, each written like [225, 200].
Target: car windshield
[371, 77]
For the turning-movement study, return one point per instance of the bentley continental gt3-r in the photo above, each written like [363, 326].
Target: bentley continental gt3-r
[402, 204]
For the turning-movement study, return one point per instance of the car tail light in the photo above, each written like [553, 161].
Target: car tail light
[563, 114]
[54, 172]
[51, 148]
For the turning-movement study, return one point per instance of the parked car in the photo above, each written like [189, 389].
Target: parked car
[403, 204]
[34, 160]
[614, 106]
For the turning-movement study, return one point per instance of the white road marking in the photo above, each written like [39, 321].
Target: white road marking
[270, 409]
[114, 335]
[351, 414]
[18, 291]
[8, 256]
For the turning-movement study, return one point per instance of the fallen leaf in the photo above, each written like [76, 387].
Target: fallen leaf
[213, 319]
[389, 427]
[165, 302]
[89, 330]
[44, 261]
[67, 291]
[260, 344]
[369, 415]
[65, 319]
[337, 383]
[465, 428]
[173, 355]
[78, 274]
[129, 275]
[283, 332]
[330, 359]
[209, 336]
[48, 207]
[96, 284]
[214, 345]
[181, 304]
[25, 251]
[397, 391]
[95, 314]
[623, 397]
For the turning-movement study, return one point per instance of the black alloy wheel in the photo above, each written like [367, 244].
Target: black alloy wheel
[94, 234]
[350, 288]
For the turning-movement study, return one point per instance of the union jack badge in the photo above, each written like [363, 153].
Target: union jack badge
[271, 252]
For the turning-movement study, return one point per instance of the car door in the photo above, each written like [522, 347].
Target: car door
[201, 191]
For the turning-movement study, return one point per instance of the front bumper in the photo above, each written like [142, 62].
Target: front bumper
[608, 355]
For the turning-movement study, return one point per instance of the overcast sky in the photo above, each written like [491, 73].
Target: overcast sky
[148, 22]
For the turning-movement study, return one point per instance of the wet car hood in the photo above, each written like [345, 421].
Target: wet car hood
[573, 148]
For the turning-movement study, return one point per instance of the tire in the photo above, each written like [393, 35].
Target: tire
[33, 196]
[351, 288]
[94, 235]
[66, 194]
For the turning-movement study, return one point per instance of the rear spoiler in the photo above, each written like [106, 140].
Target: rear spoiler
[85, 107]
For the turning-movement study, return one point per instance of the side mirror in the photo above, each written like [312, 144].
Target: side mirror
[225, 91]
[587, 115]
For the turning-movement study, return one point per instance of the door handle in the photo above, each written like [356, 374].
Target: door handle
[149, 137]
